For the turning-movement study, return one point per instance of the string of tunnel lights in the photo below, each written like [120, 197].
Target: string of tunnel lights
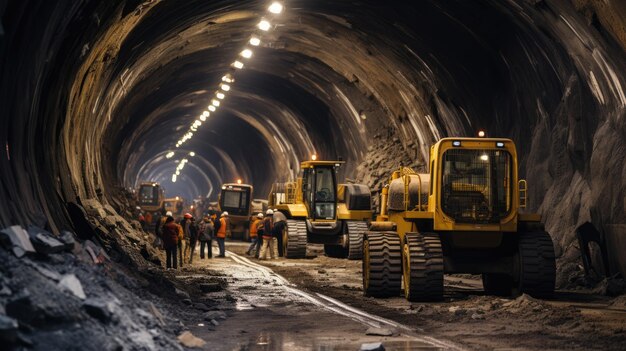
[228, 79]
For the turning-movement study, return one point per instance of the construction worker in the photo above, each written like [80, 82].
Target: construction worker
[170, 241]
[280, 221]
[267, 237]
[181, 244]
[256, 243]
[206, 236]
[158, 228]
[221, 233]
[190, 229]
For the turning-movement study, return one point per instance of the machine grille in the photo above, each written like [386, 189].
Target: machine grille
[476, 185]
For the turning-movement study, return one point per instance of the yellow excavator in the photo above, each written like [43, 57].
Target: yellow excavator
[322, 212]
[465, 216]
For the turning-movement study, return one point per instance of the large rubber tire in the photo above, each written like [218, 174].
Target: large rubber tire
[382, 264]
[537, 265]
[294, 239]
[498, 284]
[422, 263]
[355, 232]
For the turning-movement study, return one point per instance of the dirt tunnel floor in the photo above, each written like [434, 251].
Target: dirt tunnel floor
[268, 312]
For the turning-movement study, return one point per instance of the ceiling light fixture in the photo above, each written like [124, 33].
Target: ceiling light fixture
[254, 41]
[264, 25]
[247, 53]
[238, 64]
[220, 95]
[275, 8]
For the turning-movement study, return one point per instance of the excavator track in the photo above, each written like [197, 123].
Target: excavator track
[295, 239]
[422, 260]
[382, 264]
[356, 231]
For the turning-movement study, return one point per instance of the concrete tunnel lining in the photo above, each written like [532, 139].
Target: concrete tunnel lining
[101, 81]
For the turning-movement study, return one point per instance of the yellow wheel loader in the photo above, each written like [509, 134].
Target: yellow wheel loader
[322, 212]
[465, 216]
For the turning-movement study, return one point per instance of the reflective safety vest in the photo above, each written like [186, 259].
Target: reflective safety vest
[221, 233]
[253, 228]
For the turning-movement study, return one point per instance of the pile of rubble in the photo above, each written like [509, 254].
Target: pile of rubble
[57, 293]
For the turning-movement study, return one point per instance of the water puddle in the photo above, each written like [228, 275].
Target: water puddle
[293, 342]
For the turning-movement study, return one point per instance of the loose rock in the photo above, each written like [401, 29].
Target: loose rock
[73, 285]
[189, 340]
[8, 330]
[16, 238]
[379, 332]
[67, 238]
[376, 346]
[98, 309]
[44, 242]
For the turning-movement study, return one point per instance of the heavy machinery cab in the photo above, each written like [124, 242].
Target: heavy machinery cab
[236, 199]
[319, 189]
[150, 196]
[478, 185]
[175, 204]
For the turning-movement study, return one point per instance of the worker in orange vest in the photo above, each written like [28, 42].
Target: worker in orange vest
[221, 233]
[256, 243]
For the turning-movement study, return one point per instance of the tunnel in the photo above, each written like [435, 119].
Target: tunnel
[97, 97]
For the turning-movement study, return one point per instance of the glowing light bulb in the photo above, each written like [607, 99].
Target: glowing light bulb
[238, 181]
[276, 7]
[238, 64]
[220, 95]
[481, 133]
[228, 78]
[206, 113]
[192, 154]
[203, 118]
[484, 157]
[215, 103]
[254, 41]
[225, 87]
[247, 53]
[212, 108]
[169, 154]
[313, 157]
[264, 25]
[173, 178]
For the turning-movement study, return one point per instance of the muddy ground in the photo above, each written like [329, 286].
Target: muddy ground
[239, 303]
[572, 320]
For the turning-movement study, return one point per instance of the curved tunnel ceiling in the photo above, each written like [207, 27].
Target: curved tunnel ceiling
[95, 94]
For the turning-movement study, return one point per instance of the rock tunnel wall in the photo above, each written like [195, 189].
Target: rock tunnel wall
[94, 94]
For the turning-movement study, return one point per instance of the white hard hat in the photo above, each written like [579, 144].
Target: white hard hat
[260, 215]
[225, 214]
[269, 212]
[275, 210]
[168, 213]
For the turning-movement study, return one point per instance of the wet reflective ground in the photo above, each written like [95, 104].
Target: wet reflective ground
[267, 341]
[270, 313]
